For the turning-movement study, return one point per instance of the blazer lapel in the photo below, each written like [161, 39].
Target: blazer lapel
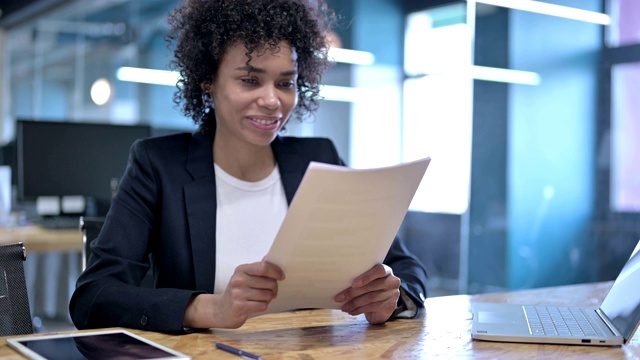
[200, 198]
[291, 165]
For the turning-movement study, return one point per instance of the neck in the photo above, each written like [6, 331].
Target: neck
[244, 163]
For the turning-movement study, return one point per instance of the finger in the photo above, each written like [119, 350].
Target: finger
[263, 269]
[244, 309]
[243, 302]
[385, 308]
[253, 294]
[371, 298]
[365, 280]
[242, 282]
[386, 283]
[376, 318]
[376, 272]
[352, 293]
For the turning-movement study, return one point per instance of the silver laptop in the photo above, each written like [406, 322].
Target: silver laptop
[613, 323]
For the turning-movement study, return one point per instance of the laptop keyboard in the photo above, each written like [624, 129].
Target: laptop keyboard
[561, 321]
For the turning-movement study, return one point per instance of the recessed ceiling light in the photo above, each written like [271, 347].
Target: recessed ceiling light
[101, 91]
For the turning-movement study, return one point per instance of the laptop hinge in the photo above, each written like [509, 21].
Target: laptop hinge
[608, 322]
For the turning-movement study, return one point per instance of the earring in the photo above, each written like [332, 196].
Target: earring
[207, 102]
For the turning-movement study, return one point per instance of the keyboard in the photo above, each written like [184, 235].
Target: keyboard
[59, 222]
[562, 321]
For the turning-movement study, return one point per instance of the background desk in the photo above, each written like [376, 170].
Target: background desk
[54, 262]
[38, 239]
[442, 332]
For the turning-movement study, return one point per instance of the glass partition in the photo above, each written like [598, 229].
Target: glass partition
[625, 27]
[547, 181]
[437, 106]
[625, 131]
[56, 62]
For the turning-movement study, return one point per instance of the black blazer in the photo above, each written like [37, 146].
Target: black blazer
[166, 206]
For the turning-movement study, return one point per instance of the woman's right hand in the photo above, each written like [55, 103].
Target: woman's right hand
[250, 290]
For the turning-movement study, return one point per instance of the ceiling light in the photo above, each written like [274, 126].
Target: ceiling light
[348, 56]
[100, 91]
[505, 75]
[486, 73]
[551, 9]
[148, 76]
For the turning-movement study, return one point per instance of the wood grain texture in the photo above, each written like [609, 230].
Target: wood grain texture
[38, 239]
[441, 332]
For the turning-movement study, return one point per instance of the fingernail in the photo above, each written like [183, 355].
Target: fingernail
[339, 298]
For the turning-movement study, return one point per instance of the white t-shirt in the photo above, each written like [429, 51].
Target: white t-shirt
[248, 218]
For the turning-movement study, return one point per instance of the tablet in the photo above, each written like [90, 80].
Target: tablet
[120, 344]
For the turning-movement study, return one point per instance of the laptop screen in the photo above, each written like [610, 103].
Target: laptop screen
[622, 303]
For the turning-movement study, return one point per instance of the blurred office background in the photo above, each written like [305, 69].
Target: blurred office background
[531, 119]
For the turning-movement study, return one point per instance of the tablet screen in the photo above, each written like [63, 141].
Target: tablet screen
[93, 345]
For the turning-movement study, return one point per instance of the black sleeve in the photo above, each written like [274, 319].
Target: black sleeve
[108, 292]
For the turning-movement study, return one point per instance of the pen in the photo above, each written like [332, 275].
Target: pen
[236, 351]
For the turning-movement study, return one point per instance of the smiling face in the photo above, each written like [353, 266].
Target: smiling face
[254, 100]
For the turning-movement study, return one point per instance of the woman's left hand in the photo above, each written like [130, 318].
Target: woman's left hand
[374, 293]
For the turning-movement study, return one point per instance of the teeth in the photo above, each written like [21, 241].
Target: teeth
[264, 122]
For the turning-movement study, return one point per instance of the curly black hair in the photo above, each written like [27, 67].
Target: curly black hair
[202, 31]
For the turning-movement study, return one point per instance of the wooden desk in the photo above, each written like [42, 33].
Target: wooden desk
[39, 239]
[442, 332]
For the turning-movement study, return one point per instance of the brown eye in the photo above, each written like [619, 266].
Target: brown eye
[249, 81]
[288, 84]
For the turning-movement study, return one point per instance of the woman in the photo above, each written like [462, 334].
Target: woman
[207, 206]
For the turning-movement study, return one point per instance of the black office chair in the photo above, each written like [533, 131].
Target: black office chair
[90, 227]
[15, 314]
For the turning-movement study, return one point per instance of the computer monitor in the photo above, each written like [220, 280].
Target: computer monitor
[71, 158]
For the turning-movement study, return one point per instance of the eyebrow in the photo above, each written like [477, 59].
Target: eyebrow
[253, 69]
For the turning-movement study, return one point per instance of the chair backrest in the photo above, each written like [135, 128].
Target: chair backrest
[90, 227]
[15, 314]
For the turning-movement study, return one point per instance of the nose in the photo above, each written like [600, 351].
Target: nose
[269, 98]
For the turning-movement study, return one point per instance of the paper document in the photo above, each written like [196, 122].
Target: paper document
[341, 223]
